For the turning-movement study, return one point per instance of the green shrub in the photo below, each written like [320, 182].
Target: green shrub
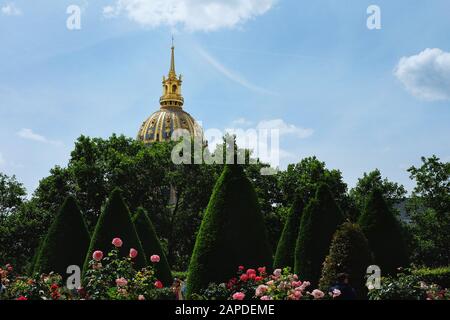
[349, 253]
[115, 222]
[439, 276]
[232, 232]
[319, 222]
[384, 233]
[284, 256]
[66, 241]
[151, 245]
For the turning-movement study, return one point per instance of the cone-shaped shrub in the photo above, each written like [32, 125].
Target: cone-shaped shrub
[66, 242]
[284, 256]
[152, 246]
[319, 222]
[383, 231]
[349, 253]
[232, 232]
[115, 222]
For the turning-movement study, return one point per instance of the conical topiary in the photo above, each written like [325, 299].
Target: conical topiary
[284, 256]
[66, 241]
[319, 222]
[115, 222]
[152, 246]
[383, 231]
[232, 232]
[349, 253]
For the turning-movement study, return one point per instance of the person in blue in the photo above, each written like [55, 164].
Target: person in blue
[342, 284]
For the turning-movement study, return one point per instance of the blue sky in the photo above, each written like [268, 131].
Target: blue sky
[356, 98]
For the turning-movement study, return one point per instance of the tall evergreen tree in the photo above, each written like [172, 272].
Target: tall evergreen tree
[232, 232]
[284, 256]
[152, 246]
[349, 253]
[384, 233]
[115, 222]
[319, 222]
[66, 242]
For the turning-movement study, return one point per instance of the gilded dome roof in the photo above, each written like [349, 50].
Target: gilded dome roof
[171, 116]
[161, 124]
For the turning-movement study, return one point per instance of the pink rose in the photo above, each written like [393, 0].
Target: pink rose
[298, 294]
[261, 289]
[117, 242]
[97, 255]
[141, 297]
[241, 268]
[317, 294]
[238, 296]
[269, 283]
[155, 258]
[266, 298]
[244, 277]
[262, 270]
[251, 271]
[158, 284]
[277, 272]
[296, 284]
[336, 293]
[133, 253]
[121, 282]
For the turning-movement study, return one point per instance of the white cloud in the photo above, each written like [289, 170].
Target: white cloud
[193, 15]
[231, 74]
[110, 11]
[285, 128]
[10, 9]
[30, 135]
[242, 122]
[426, 75]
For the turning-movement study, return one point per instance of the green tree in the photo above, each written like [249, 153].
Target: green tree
[232, 232]
[384, 233]
[115, 222]
[284, 256]
[393, 192]
[151, 245]
[319, 222]
[12, 195]
[66, 242]
[429, 209]
[349, 253]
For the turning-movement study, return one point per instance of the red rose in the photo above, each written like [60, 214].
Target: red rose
[262, 270]
[22, 298]
[258, 278]
[158, 284]
[241, 268]
[244, 277]
[251, 271]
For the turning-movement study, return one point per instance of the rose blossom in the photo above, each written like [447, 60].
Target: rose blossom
[241, 268]
[277, 272]
[155, 258]
[244, 277]
[251, 271]
[336, 293]
[158, 284]
[238, 296]
[317, 294]
[133, 253]
[141, 297]
[261, 289]
[121, 282]
[258, 278]
[269, 283]
[262, 270]
[117, 242]
[266, 298]
[97, 255]
[296, 284]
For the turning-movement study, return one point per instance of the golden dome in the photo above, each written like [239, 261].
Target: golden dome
[171, 116]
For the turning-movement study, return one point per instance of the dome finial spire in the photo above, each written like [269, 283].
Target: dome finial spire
[172, 86]
[172, 60]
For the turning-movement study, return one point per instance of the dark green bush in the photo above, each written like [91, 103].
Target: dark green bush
[66, 242]
[319, 222]
[115, 222]
[232, 233]
[284, 256]
[384, 233]
[349, 253]
[151, 245]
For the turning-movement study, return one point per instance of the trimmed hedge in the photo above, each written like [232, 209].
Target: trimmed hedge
[384, 233]
[319, 222]
[66, 241]
[150, 243]
[115, 222]
[232, 233]
[439, 276]
[284, 256]
[349, 253]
